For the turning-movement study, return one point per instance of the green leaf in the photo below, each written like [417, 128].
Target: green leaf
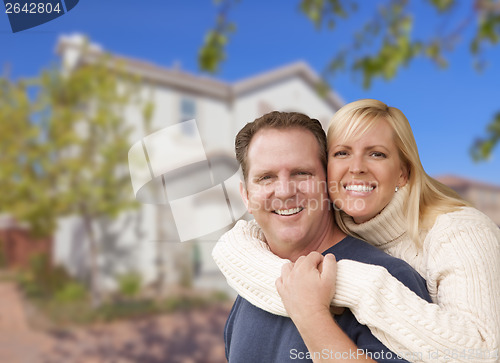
[443, 5]
[483, 147]
[379, 47]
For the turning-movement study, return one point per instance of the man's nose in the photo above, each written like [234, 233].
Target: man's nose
[285, 188]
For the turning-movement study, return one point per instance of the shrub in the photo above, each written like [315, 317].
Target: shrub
[71, 292]
[129, 284]
[46, 279]
[43, 281]
[3, 258]
[28, 284]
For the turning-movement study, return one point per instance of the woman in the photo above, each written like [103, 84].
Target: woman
[384, 196]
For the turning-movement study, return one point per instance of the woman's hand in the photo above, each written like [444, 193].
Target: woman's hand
[307, 286]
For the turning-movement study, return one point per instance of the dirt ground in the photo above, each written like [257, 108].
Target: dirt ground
[184, 337]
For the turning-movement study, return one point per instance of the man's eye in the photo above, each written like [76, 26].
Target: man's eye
[303, 173]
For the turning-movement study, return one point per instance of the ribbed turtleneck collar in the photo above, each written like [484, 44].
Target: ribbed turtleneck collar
[386, 226]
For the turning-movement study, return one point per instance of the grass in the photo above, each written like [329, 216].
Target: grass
[57, 313]
[56, 299]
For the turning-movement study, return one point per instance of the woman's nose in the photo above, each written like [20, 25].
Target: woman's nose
[357, 165]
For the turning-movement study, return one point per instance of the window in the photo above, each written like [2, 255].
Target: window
[188, 112]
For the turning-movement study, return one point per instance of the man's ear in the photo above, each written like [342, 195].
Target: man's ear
[244, 196]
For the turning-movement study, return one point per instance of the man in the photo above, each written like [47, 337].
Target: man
[283, 160]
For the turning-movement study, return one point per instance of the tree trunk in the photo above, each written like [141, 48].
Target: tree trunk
[160, 258]
[95, 291]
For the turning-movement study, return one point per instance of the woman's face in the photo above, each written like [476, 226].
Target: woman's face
[363, 174]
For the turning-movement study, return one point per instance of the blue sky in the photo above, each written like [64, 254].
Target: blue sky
[447, 109]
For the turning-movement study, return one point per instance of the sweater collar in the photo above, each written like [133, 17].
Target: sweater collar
[386, 226]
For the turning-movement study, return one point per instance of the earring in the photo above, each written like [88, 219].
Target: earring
[396, 190]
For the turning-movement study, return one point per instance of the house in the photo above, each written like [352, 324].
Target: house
[483, 196]
[17, 246]
[148, 240]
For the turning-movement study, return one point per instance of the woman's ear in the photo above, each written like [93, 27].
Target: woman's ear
[403, 177]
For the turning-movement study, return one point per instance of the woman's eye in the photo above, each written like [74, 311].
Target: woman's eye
[378, 154]
[340, 154]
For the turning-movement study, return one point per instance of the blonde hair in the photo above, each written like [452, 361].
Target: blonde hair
[427, 198]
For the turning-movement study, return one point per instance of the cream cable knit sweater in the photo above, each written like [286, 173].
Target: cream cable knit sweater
[459, 258]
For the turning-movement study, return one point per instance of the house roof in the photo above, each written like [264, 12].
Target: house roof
[458, 182]
[205, 85]
[9, 222]
[300, 69]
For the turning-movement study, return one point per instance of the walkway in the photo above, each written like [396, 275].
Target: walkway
[184, 337]
[18, 344]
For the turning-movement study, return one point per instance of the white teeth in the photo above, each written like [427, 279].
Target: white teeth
[359, 188]
[287, 212]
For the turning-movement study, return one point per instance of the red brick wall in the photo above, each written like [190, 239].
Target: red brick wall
[17, 246]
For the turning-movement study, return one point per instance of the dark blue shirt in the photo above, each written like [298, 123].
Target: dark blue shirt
[254, 335]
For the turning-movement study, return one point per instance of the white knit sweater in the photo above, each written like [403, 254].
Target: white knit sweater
[459, 258]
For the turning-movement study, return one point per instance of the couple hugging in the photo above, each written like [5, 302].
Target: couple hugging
[355, 252]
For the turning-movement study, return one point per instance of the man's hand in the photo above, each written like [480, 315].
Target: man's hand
[307, 286]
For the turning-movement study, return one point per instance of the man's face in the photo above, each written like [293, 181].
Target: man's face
[286, 188]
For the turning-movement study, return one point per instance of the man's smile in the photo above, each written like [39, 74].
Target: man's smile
[288, 212]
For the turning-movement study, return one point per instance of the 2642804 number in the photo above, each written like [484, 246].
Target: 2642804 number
[32, 8]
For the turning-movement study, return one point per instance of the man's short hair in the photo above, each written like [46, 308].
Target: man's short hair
[278, 120]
